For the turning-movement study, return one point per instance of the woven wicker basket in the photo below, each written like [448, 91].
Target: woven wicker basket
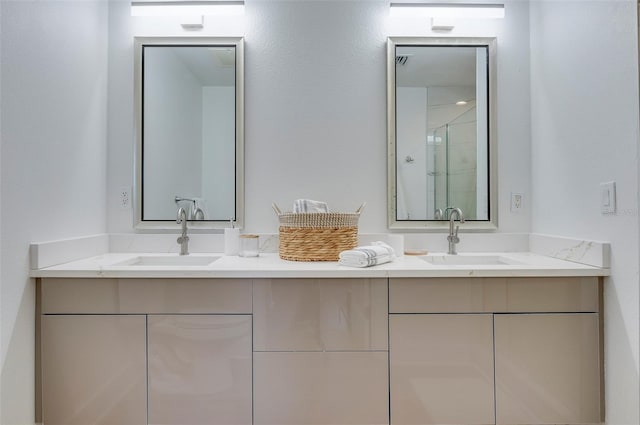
[317, 236]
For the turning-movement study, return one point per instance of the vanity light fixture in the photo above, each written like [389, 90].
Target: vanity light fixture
[448, 10]
[187, 8]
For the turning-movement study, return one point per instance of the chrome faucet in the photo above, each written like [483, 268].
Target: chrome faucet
[183, 240]
[198, 214]
[453, 236]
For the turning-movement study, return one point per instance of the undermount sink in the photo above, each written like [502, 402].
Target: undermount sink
[468, 260]
[169, 260]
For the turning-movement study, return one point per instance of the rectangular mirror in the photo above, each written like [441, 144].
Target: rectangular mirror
[441, 139]
[190, 131]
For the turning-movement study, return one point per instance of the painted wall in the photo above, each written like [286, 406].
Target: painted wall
[53, 148]
[584, 93]
[315, 105]
[315, 127]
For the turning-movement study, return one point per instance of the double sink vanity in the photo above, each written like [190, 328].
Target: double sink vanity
[486, 338]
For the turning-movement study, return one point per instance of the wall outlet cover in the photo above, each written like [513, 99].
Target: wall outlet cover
[517, 202]
[124, 198]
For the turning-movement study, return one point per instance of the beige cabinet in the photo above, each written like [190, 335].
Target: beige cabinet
[539, 337]
[351, 351]
[138, 351]
[320, 352]
[93, 370]
[547, 369]
[199, 369]
[441, 368]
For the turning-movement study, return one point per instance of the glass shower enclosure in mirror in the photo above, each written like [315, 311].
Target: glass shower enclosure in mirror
[441, 141]
[189, 119]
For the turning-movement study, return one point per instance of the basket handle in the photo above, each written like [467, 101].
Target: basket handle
[359, 210]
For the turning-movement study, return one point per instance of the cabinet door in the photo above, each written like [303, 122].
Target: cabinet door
[200, 369]
[441, 368]
[547, 369]
[93, 370]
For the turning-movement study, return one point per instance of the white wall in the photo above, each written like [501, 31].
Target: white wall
[53, 119]
[315, 127]
[315, 106]
[584, 92]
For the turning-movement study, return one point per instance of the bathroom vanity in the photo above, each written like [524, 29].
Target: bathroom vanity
[266, 341]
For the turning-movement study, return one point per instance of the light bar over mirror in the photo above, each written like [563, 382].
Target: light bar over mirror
[448, 10]
[186, 8]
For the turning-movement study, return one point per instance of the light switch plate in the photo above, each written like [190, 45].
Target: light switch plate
[608, 197]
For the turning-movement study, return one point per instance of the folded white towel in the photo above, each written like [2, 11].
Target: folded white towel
[309, 206]
[366, 256]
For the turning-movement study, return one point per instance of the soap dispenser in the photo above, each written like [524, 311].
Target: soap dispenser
[231, 240]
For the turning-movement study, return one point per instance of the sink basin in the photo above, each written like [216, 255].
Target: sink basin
[468, 260]
[169, 260]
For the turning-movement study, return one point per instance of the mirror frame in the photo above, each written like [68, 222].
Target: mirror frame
[440, 225]
[238, 43]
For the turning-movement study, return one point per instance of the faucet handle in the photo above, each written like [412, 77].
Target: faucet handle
[182, 239]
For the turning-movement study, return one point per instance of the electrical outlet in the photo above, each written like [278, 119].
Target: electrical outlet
[124, 199]
[517, 202]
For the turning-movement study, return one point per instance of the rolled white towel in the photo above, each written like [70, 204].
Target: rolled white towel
[309, 206]
[366, 256]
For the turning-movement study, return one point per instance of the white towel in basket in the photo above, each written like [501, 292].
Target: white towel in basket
[309, 206]
[366, 256]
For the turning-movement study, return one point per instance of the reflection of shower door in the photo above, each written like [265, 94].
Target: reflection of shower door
[437, 169]
[461, 166]
[451, 171]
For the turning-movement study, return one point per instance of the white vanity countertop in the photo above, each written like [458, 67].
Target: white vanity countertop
[269, 265]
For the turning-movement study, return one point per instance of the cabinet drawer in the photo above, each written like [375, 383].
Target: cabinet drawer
[320, 314]
[500, 295]
[152, 296]
[445, 295]
[347, 388]
[548, 295]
